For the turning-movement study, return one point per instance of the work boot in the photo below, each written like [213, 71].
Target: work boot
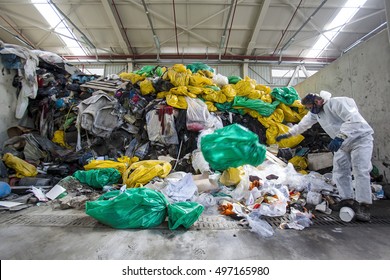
[344, 203]
[363, 212]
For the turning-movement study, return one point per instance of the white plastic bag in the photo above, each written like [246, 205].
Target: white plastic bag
[220, 80]
[197, 114]
[161, 128]
[180, 190]
[259, 226]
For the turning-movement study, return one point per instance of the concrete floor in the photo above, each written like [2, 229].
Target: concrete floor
[39, 233]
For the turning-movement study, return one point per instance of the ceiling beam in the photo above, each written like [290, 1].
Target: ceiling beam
[15, 27]
[259, 23]
[318, 32]
[194, 26]
[162, 18]
[44, 37]
[116, 26]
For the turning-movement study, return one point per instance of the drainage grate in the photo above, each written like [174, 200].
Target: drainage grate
[217, 223]
[203, 223]
[53, 220]
[322, 220]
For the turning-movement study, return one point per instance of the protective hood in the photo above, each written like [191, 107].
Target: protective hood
[326, 95]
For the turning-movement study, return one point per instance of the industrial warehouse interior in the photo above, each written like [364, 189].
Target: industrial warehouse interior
[168, 130]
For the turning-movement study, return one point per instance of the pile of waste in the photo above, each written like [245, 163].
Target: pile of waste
[160, 142]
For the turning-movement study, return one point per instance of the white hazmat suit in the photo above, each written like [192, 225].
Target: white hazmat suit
[340, 117]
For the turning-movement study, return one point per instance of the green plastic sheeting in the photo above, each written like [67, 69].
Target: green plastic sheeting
[232, 146]
[234, 79]
[150, 71]
[286, 95]
[98, 178]
[227, 107]
[183, 214]
[195, 67]
[142, 208]
[134, 208]
[263, 108]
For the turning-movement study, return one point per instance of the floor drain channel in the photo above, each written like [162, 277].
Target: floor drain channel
[53, 220]
[203, 223]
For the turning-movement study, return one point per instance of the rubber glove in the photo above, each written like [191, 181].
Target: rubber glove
[335, 144]
[283, 136]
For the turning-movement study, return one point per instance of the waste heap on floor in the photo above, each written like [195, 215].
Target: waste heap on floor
[185, 132]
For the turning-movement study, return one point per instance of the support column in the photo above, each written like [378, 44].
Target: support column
[245, 68]
[130, 65]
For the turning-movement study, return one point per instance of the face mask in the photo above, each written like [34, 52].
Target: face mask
[316, 109]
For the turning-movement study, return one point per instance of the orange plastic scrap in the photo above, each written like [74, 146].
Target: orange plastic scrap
[226, 209]
[254, 184]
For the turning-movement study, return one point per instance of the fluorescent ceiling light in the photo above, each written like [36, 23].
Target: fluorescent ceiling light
[342, 18]
[59, 25]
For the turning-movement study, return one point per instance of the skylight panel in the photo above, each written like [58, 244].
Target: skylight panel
[59, 25]
[337, 24]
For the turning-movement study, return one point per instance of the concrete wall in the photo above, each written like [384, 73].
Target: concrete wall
[7, 102]
[363, 74]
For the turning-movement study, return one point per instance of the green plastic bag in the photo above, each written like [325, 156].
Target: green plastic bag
[98, 178]
[196, 66]
[133, 208]
[147, 70]
[234, 79]
[287, 95]
[227, 107]
[232, 146]
[183, 214]
[263, 108]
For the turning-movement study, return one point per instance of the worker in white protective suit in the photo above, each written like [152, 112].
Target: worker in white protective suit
[352, 144]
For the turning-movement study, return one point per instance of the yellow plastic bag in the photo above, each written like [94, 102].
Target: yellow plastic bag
[254, 94]
[182, 90]
[302, 111]
[274, 127]
[178, 75]
[229, 92]
[266, 97]
[22, 168]
[231, 176]
[288, 142]
[121, 164]
[215, 96]
[291, 115]
[211, 107]
[59, 138]
[264, 88]
[132, 77]
[206, 73]
[245, 86]
[198, 80]
[140, 173]
[162, 94]
[299, 163]
[180, 68]
[195, 90]
[176, 101]
[146, 87]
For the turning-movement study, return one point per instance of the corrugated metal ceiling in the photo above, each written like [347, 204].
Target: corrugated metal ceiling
[195, 29]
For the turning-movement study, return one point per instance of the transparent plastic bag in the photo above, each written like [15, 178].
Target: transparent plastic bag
[197, 114]
[258, 225]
